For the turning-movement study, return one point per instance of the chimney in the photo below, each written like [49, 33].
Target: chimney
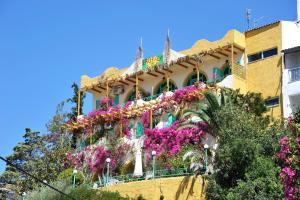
[298, 10]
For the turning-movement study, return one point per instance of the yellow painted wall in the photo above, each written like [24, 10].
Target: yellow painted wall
[174, 188]
[264, 76]
[239, 83]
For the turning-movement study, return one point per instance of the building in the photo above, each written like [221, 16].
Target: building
[264, 60]
[249, 61]
[291, 80]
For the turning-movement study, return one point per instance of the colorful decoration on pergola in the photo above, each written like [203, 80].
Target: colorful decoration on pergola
[136, 108]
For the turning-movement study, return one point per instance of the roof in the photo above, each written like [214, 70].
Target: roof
[291, 50]
[263, 26]
[199, 49]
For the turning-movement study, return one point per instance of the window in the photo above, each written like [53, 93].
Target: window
[98, 104]
[193, 78]
[272, 102]
[163, 87]
[116, 100]
[269, 53]
[254, 57]
[132, 95]
[262, 55]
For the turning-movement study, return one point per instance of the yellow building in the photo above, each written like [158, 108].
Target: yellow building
[249, 61]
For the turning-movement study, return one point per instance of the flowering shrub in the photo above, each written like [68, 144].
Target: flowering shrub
[170, 140]
[94, 157]
[113, 114]
[289, 156]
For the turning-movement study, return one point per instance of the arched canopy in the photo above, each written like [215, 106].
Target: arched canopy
[193, 78]
[163, 87]
[132, 94]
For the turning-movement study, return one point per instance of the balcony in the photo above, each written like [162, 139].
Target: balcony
[294, 74]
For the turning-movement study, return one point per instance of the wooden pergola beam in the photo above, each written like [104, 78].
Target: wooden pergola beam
[228, 50]
[238, 48]
[123, 82]
[128, 79]
[140, 79]
[181, 65]
[159, 72]
[214, 56]
[168, 70]
[154, 75]
[189, 62]
[223, 54]
[101, 87]
[96, 90]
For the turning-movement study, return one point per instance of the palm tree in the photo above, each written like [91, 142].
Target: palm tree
[196, 160]
[205, 110]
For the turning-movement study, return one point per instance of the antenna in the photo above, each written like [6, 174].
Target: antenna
[255, 21]
[248, 16]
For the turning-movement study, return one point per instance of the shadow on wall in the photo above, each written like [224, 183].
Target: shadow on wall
[184, 185]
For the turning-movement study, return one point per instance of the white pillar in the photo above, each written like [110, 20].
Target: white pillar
[138, 167]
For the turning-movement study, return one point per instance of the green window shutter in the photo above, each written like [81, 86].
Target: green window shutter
[97, 104]
[139, 130]
[171, 119]
[116, 99]
[82, 144]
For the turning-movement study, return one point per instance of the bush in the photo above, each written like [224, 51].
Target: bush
[68, 176]
[178, 162]
[45, 192]
[244, 162]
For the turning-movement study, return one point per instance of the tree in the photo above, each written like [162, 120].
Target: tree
[26, 155]
[244, 163]
[213, 102]
[58, 144]
[74, 101]
[74, 109]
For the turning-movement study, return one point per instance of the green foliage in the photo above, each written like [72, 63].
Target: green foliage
[68, 176]
[261, 182]
[206, 110]
[26, 155]
[251, 102]
[74, 101]
[244, 162]
[178, 160]
[233, 160]
[296, 115]
[44, 192]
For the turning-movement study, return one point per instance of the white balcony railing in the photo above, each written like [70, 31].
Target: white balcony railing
[294, 74]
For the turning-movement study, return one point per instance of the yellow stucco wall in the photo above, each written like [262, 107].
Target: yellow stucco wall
[264, 76]
[239, 83]
[232, 36]
[174, 188]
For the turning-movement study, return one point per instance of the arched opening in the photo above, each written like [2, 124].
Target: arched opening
[163, 87]
[193, 78]
[132, 94]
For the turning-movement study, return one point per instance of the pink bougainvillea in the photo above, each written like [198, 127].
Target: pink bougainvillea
[289, 155]
[94, 158]
[170, 140]
[109, 113]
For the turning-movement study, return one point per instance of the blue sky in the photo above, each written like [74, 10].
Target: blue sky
[47, 45]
